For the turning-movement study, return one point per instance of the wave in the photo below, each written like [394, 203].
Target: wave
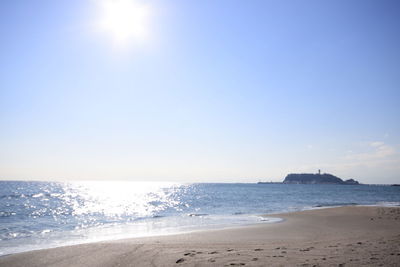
[37, 195]
[333, 204]
[197, 214]
[387, 204]
[7, 213]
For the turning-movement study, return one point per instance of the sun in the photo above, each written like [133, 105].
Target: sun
[124, 20]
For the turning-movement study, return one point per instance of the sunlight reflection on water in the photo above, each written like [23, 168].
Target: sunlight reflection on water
[120, 199]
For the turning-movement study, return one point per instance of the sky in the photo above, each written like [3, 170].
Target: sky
[199, 91]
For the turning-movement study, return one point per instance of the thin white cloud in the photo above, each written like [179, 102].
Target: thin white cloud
[376, 144]
[375, 151]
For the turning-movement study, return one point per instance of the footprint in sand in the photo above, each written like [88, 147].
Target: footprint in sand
[180, 260]
[191, 254]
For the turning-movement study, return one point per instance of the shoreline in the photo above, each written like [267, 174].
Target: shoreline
[351, 235]
[276, 218]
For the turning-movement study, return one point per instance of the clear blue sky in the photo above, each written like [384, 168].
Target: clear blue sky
[204, 90]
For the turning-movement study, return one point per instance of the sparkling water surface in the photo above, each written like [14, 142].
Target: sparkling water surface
[36, 215]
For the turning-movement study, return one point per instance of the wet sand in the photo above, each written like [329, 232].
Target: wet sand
[344, 236]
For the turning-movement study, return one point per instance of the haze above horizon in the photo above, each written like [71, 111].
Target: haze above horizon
[199, 91]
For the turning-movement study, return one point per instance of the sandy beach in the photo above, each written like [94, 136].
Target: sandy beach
[344, 236]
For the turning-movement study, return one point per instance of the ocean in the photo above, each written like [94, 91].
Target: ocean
[36, 215]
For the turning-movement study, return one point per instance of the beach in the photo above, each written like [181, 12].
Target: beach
[340, 236]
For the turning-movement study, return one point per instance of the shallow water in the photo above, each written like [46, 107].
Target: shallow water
[36, 215]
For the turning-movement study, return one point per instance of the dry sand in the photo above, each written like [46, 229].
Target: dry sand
[345, 236]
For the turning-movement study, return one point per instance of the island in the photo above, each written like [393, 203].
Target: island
[317, 178]
[314, 178]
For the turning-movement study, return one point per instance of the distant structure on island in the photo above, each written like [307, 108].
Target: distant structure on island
[311, 178]
[318, 178]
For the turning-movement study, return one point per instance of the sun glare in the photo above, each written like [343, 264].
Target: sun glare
[124, 20]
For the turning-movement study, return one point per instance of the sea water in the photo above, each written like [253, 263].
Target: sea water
[35, 215]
